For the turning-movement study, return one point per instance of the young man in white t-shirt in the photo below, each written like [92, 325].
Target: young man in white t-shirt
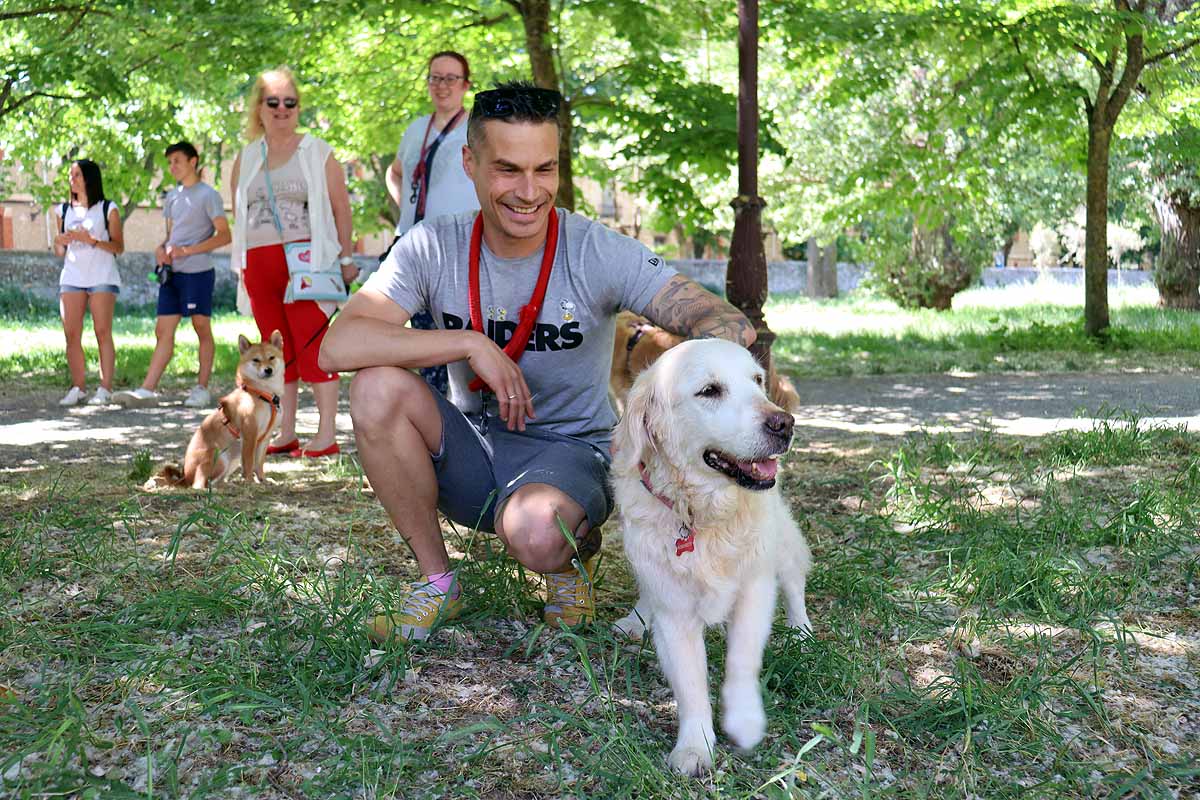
[196, 225]
[537, 478]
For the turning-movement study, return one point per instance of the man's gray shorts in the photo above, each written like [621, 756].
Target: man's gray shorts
[477, 472]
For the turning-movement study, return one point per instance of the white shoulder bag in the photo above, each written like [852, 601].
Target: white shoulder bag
[304, 281]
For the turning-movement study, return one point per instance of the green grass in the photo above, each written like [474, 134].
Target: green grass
[988, 330]
[994, 617]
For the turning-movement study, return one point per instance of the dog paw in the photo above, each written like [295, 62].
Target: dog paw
[630, 626]
[742, 717]
[690, 760]
[800, 622]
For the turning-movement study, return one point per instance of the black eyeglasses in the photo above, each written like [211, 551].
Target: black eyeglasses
[529, 101]
[446, 80]
[288, 102]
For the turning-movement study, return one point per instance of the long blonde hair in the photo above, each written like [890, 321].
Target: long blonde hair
[254, 126]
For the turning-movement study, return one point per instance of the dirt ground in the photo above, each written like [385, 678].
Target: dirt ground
[34, 431]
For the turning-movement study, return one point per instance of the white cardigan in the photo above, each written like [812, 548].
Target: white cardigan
[313, 154]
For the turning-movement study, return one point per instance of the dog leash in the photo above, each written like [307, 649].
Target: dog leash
[313, 338]
[684, 544]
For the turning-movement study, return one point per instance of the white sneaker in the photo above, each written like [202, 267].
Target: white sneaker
[102, 397]
[73, 397]
[136, 398]
[198, 397]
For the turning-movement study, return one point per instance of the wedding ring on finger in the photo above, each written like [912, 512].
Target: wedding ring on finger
[511, 396]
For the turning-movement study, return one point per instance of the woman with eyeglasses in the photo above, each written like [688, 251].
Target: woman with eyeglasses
[89, 240]
[288, 187]
[427, 180]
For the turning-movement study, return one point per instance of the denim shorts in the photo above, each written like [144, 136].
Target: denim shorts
[187, 293]
[477, 472]
[64, 288]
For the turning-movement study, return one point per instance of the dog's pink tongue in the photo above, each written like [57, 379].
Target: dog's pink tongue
[760, 470]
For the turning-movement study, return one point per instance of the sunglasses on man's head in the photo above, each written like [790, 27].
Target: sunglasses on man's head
[536, 102]
[288, 102]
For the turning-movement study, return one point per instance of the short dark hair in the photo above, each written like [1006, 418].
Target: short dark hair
[512, 101]
[451, 54]
[187, 148]
[93, 184]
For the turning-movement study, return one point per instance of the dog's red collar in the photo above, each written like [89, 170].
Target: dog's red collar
[273, 399]
[270, 399]
[684, 544]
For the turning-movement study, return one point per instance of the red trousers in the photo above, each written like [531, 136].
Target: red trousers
[266, 277]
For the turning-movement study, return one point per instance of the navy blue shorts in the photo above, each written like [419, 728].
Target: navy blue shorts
[187, 293]
[477, 472]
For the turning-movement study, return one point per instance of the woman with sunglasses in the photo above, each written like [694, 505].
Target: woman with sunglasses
[288, 187]
[427, 179]
[89, 240]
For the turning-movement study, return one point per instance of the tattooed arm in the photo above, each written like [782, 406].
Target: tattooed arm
[686, 308]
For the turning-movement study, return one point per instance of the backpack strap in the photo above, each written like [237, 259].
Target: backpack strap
[107, 204]
[62, 217]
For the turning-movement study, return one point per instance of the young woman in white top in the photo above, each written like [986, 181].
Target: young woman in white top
[307, 201]
[89, 281]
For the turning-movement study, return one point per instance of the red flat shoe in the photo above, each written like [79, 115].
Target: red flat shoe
[332, 450]
[290, 447]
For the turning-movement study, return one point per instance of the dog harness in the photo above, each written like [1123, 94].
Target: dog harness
[271, 399]
[684, 544]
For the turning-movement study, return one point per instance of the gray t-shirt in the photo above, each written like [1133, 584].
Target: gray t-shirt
[191, 210]
[597, 273]
[449, 190]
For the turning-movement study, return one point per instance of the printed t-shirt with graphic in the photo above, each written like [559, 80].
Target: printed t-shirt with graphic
[86, 265]
[597, 273]
[191, 210]
[449, 189]
[291, 199]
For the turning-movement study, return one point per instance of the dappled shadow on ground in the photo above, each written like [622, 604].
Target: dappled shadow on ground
[1022, 405]
[35, 432]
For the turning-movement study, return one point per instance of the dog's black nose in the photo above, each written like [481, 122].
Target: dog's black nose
[267, 372]
[779, 423]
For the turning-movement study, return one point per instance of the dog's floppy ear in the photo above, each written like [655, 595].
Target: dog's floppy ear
[277, 339]
[243, 343]
[641, 426]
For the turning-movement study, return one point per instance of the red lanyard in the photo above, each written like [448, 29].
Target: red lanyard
[529, 313]
[420, 179]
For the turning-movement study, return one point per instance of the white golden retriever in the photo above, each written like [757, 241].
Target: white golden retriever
[707, 532]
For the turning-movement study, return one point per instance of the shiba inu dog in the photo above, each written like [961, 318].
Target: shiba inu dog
[639, 343]
[250, 413]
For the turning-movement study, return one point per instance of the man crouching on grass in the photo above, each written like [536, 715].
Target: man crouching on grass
[521, 447]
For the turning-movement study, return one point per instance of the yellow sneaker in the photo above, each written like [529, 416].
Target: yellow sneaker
[424, 608]
[570, 596]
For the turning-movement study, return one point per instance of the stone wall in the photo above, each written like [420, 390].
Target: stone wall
[37, 272]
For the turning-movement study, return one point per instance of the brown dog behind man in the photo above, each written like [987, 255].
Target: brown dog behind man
[639, 343]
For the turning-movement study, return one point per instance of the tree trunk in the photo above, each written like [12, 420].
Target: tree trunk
[1178, 272]
[822, 270]
[535, 14]
[746, 275]
[946, 272]
[1095, 264]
